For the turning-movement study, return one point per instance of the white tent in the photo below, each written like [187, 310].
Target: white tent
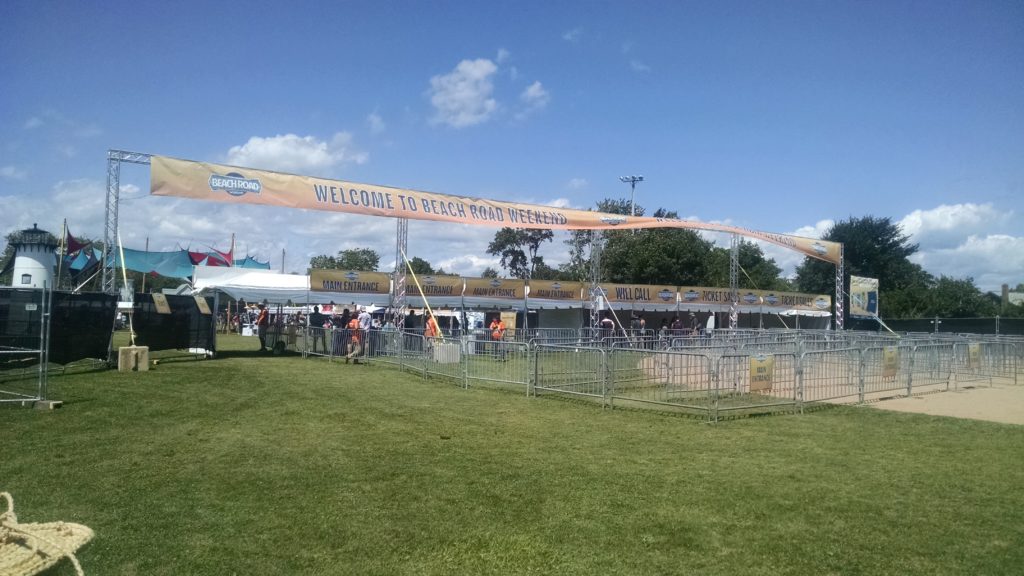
[251, 285]
[274, 288]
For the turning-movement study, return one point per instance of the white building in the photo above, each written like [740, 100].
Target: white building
[35, 259]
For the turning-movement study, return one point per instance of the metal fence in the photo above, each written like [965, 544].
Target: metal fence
[24, 345]
[728, 374]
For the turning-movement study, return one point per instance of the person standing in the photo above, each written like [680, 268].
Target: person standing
[316, 329]
[430, 333]
[497, 335]
[355, 341]
[262, 324]
[365, 320]
[607, 327]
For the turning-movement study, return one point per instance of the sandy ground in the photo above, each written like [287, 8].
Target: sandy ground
[996, 403]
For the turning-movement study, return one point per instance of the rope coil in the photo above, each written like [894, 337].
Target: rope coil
[30, 548]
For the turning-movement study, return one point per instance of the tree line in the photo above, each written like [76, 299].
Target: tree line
[874, 247]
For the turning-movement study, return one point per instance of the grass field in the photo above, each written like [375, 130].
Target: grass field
[253, 464]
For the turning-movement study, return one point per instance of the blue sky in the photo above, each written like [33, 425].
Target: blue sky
[783, 117]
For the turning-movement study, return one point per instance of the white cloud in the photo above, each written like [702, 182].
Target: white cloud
[787, 259]
[13, 173]
[463, 97]
[299, 154]
[376, 123]
[639, 66]
[576, 183]
[991, 260]
[954, 241]
[960, 241]
[946, 225]
[503, 55]
[534, 97]
[513, 73]
[573, 35]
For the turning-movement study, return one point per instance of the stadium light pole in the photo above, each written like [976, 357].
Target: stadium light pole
[631, 180]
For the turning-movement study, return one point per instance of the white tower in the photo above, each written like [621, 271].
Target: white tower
[35, 259]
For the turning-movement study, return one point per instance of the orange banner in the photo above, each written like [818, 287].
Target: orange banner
[556, 290]
[219, 183]
[352, 281]
[435, 286]
[699, 295]
[640, 293]
[511, 289]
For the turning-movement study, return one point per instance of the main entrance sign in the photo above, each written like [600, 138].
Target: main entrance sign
[219, 183]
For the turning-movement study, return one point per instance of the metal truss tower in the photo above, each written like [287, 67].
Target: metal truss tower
[840, 290]
[734, 292]
[114, 159]
[596, 297]
[398, 291]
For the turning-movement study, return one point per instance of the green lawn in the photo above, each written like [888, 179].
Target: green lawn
[254, 464]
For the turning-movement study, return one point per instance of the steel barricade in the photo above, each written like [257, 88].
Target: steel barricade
[314, 341]
[931, 367]
[886, 370]
[570, 370]
[829, 376]
[981, 362]
[753, 383]
[441, 357]
[672, 380]
[283, 336]
[498, 363]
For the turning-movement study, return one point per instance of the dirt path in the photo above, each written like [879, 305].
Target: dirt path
[998, 403]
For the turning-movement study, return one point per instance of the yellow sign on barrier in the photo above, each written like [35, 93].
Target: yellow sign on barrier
[762, 372]
[890, 362]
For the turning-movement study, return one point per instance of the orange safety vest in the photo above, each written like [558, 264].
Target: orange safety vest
[498, 329]
[353, 326]
[432, 329]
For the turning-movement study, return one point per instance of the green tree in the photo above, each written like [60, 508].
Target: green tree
[363, 259]
[952, 298]
[654, 255]
[489, 273]
[755, 271]
[323, 262]
[874, 248]
[544, 272]
[518, 249]
[578, 266]
[420, 266]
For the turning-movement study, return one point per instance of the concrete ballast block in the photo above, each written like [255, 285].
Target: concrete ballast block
[133, 359]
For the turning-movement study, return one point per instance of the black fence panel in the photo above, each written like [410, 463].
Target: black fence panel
[185, 327]
[20, 312]
[81, 325]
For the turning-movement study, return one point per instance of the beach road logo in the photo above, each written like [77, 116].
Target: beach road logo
[235, 184]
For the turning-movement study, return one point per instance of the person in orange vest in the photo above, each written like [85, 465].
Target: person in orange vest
[262, 324]
[431, 332]
[355, 342]
[497, 335]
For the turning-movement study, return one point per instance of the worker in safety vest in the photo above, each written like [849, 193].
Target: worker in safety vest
[355, 342]
[497, 335]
